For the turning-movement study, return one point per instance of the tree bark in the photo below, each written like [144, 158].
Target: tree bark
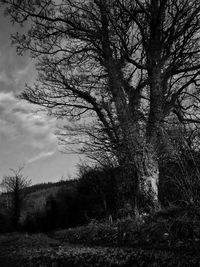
[149, 159]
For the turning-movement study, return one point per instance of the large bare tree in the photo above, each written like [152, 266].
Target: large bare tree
[128, 64]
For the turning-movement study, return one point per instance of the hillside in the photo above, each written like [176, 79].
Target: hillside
[49, 186]
[36, 195]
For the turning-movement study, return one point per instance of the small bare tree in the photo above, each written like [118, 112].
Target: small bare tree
[14, 185]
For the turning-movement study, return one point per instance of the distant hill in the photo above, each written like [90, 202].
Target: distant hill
[45, 186]
[36, 195]
[49, 185]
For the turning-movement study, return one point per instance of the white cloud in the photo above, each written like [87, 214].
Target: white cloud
[21, 121]
[41, 156]
[25, 135]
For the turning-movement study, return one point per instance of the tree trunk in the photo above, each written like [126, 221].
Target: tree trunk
[156, 114]
[139, 155]
[148, 175]
[16, 204]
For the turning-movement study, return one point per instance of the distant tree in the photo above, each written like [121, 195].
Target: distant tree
[14, 185]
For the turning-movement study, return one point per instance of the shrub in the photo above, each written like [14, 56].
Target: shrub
[5, 223]
[168, 228]
[121, 233]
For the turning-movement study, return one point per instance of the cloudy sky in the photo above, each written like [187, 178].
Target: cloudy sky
[26, 136]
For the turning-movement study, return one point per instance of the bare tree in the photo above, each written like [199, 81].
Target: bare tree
[129, 64]
[14, 185]
[90, 140]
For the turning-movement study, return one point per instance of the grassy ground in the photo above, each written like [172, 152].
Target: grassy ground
[21, 250]
[163, 240]
[16, 249]
[39, 250]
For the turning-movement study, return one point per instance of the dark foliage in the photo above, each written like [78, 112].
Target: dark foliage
[170, 229]
[5, 223]
[92, 197]
[98, 193]
[180, 180]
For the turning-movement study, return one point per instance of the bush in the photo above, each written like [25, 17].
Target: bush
[93, 196]
[121, 233]
[180, 179]
[5, 223]
[35, 221]
[168, 228]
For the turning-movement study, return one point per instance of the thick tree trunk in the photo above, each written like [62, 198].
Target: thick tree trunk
[140, 163]
[140, 150]
[130, 140]
[156, 115]
[128, 185]
[154, 135]
[148, 176]
[139, 154]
